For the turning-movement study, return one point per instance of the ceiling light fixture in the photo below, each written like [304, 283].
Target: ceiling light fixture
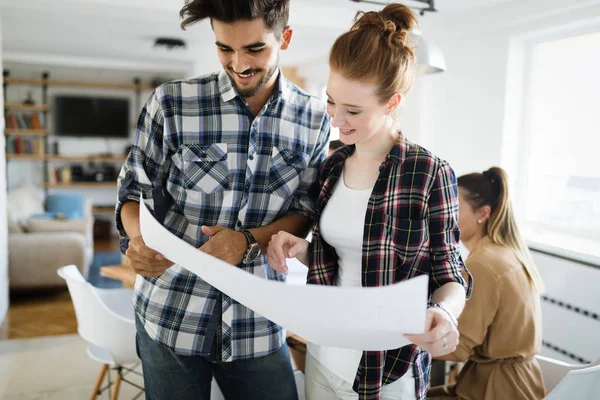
[422, 5]
[430, 58]
[169, 43]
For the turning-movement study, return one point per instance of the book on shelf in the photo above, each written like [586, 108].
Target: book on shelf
[18, 142]
[24, 145]
[10, 145]
[11, 121]
[35, 121]
[39, 147]
[23, 120]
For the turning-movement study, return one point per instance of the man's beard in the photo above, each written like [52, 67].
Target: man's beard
[249, 92]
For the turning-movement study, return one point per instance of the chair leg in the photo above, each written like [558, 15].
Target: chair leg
[116, 385]
[99, 382]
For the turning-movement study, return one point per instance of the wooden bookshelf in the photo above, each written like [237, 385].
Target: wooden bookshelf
[26, 157]
[27, 107]
[83, 158]
[56, 168]
[77, 84]
[26, 132]
[80, 185]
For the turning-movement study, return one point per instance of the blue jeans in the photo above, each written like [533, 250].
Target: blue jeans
[171, 376]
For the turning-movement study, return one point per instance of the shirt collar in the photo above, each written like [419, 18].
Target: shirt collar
[282, 87]
[396, 155]
[226, 88]
[281, 90]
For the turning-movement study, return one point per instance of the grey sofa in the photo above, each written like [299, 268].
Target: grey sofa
[37, 248]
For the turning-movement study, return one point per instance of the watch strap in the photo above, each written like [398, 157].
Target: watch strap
[251, 252]
[249, 236]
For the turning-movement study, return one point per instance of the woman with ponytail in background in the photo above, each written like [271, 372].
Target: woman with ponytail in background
[387, 211]
[500, 327]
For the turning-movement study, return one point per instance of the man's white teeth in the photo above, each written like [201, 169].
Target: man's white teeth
[246, 75]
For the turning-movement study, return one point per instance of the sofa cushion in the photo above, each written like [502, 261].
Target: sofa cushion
[54, 225]
[14, 227]
[55, 215]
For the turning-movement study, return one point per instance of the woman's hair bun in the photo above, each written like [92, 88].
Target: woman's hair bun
[394, 23]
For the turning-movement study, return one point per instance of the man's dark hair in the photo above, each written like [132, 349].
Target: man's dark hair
[274, 13]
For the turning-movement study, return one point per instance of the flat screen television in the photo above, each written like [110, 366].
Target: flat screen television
[91, 116]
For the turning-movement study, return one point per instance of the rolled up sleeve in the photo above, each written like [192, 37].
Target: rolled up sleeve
[145, 167]
[446, 263]
[303, 201]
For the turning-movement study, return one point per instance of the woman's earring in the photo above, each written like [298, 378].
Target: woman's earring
[479, 221]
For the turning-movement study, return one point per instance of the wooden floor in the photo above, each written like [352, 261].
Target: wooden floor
[45, 313]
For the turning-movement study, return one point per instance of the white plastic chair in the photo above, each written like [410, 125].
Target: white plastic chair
[570, 381]
[105, 319]
[299, 377]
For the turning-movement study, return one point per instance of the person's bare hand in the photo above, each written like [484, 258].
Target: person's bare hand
[144, 260]
[225, 244]
[285, 245]
[440, 337]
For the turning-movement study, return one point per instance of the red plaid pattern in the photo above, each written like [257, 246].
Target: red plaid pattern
[411, 229]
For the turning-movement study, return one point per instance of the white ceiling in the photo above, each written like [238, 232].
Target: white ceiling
[106, 32]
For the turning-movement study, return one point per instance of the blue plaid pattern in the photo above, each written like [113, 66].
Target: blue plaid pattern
[199, 146]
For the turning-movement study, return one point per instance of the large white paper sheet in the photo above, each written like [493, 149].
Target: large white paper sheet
[356, 318]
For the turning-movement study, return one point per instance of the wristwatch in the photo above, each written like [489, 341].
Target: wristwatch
[443, 308]
[253, 250]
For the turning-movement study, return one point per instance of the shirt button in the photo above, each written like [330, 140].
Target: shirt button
[251, 158]
[238, 224]
[247, 187]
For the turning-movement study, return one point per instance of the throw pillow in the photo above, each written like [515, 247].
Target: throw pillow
[69, 205]
[22, 202]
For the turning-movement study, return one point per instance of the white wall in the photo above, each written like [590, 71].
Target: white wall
[3, 218]
[466, 105]
[460, 114]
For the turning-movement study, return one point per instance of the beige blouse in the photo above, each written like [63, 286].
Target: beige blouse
[500, 331]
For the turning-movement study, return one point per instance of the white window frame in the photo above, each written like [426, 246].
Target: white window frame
[516, 143]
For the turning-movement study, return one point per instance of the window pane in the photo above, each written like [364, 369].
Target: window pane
[563, 182]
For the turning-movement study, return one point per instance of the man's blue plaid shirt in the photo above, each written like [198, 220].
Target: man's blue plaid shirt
[198, 143]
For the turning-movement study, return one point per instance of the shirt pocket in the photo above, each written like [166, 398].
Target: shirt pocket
[204, 168]
[284, 171]
[407, 235]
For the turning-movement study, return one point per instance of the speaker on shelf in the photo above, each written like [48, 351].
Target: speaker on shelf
[77, 174]
[110, 172]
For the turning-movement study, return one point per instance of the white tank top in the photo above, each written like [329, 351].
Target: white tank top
[342, 225]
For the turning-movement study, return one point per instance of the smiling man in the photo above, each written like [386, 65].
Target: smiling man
[226, 161]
